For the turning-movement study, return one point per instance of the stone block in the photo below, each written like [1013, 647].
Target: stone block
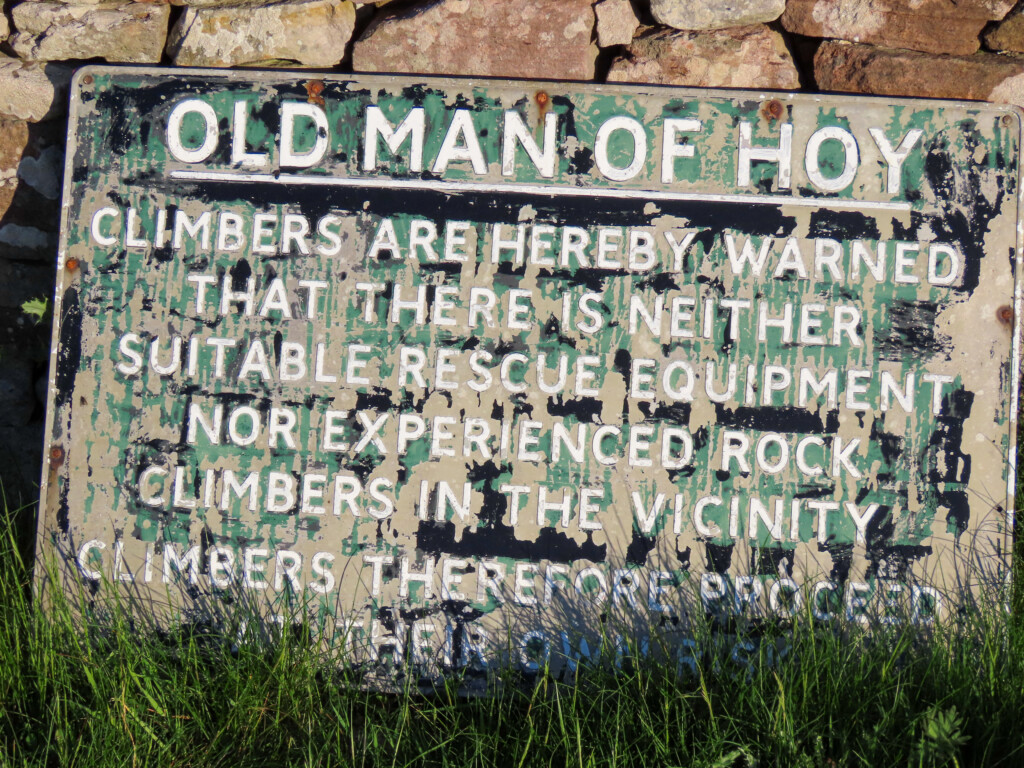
[116, 32]
[548, 39]
[33, 90]
[309, 33]
[616, 22]
[1008, 35]
[740, 57]
[31, 164]
[715, 14]
[853, 68]
[932, 26]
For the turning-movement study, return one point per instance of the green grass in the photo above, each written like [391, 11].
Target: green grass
[69, 696]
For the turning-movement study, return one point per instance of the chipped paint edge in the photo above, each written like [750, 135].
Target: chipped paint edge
[48, 485]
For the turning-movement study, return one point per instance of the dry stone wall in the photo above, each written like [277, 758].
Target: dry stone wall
[961, 49]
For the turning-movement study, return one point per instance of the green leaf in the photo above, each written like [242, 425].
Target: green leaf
[36, 308]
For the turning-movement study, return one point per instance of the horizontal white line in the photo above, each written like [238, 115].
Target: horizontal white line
[533, 189]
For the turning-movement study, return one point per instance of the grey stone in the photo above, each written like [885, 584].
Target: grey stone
[869, 69]
[42, 173]
[547, 39]
[31, 159]
[933, 26]
[218, 3]
[715, 14]
[739, 57]
[616, 22]
[33, 90]
[25, 238]
[1009, 34]
[117, 32]
[310, 33]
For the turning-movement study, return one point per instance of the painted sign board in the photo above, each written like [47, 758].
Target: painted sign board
[469, 371]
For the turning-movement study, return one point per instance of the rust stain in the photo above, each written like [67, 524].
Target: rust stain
[772, 110]
[1005, 315]
[314, 89]
[56, 456]
[543, 103]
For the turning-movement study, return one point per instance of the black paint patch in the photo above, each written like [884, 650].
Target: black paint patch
[500, 541]
[581, 162]
[887, 560]
[683, 558]
[947, 441]
[785, 418]
[890, 445]
[69, 352]
[843, 225]
[822, 492]
[622, 362]
[660, 282]
[378, 400]
[959, 514]
[911, 332]
[967, 204]
[553, 329]
[494, 539]
[484, 477]
[719, 557]
[677, 414]
[772, 561]
[63, 510]
[639, 548]
[584, 409]
[842, 559]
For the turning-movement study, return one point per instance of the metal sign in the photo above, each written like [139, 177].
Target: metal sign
[468, 372]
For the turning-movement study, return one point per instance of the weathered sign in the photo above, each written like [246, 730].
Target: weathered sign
[462, 369]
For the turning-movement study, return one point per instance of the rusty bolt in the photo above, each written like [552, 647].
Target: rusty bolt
[1005, 314]
[773, 109]
[542, 99]
[1007, 120]
[313, 90]
[87, 80]
[56, 455]
[72, 264]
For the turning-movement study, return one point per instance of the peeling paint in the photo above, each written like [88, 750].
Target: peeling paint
[458, 406]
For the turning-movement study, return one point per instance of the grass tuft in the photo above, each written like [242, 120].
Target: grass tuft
[71, 695]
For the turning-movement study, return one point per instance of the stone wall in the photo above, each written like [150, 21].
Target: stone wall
[963, 49]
